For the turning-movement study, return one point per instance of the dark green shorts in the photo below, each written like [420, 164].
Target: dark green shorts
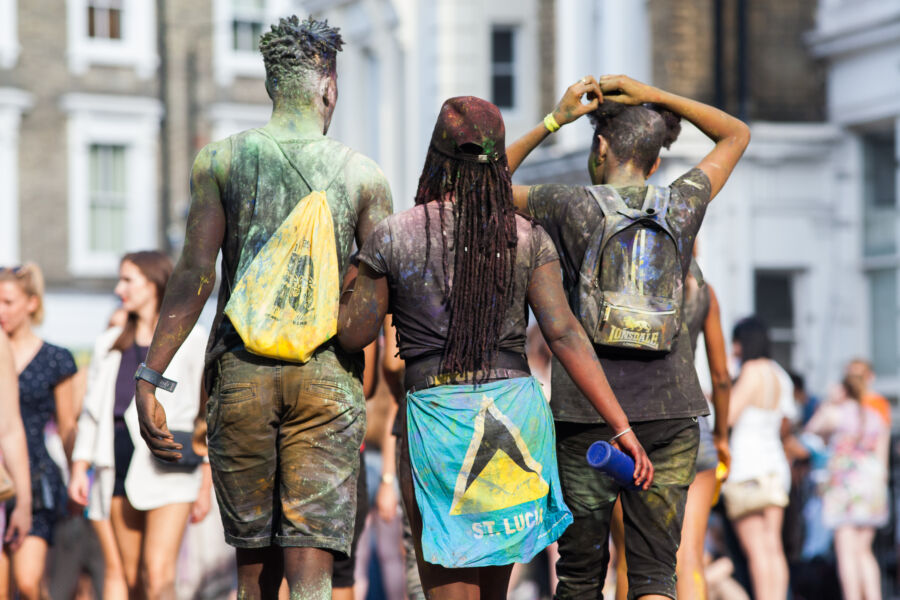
[284, 445]
[652, 518]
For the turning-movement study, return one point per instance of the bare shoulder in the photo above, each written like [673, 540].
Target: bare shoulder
[212, 162]
[5, 350]
[361, 173]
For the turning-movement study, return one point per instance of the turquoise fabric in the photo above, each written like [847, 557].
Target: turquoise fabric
[484, 469]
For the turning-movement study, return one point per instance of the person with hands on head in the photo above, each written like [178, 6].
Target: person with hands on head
[284, 428]
[658, 390]
[13, 449]
[456, 272]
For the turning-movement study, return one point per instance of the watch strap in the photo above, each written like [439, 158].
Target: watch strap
[154, 378]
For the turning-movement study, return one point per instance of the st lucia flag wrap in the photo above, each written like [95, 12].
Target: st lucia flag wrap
[484, 470]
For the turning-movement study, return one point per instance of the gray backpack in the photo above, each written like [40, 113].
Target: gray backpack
[630, 289]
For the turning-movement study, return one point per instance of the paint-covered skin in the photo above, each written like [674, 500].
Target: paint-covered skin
[417, 297]
[648, 387]
[653, 526]
[696, 303]
[263, 188]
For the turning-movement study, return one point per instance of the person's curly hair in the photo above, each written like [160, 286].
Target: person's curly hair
[294, 47]
[635, 133]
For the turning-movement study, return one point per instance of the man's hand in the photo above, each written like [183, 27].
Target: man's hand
[570, 107]
[152, 417]
[19, 525]
[624, 89]
[643, 468]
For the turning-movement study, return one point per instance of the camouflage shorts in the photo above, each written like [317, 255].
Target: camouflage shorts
[652, 518]
[284, 445]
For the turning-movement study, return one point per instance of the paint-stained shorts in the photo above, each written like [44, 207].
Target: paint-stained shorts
[284, 445]
[652, 519]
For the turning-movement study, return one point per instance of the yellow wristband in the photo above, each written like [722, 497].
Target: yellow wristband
[550, 123]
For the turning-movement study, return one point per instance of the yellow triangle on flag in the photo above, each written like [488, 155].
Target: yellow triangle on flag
[500, 485]
[502, 482]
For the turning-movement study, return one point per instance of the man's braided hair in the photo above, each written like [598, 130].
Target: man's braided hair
[294, 46]
[484, 241]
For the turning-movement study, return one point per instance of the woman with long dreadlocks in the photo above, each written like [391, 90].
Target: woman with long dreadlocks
[478, 467]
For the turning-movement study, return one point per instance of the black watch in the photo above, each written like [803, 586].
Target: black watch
[154, 378]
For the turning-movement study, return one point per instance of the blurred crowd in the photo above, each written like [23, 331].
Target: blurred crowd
[805, 502]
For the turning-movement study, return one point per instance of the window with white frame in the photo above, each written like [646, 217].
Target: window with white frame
[503, 66]
[113, 202]
[107, 198]
[774, 304]
[881, 250]
[9, 34]
[104, 19]
[112, 33]
[238, 25]
[13, 102]
[247, 19]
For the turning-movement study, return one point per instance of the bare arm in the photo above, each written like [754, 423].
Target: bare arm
[569, 109]
[370, 371]
[188, 289]
[386, 500]
[373, 196]
[721, 380]
[13, 444]
[747, 387]
[571, 346]
[392, 366]
[730, 134]
[364, 304]
[66, 414]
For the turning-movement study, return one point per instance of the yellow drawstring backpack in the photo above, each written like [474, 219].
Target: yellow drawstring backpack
[285, 305]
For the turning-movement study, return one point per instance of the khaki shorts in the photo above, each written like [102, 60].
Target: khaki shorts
[284, 443]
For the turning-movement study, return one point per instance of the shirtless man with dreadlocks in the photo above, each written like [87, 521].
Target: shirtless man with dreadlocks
[284, 437]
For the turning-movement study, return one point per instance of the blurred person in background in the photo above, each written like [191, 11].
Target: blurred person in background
[45, 392]
[757, 488]
[855, 497]
[379, 559]
[139, 506]
[862, 369]
[387, 498]
[14, 455]
[701, 315]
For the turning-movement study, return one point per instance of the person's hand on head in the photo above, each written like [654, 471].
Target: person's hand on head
[572, 106]
[624, 89]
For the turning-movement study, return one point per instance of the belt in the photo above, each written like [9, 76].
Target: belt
[423, 373]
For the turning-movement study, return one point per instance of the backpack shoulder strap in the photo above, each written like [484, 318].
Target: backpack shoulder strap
[348, 154]
[656, 202]
[286, 157]
[608, 199]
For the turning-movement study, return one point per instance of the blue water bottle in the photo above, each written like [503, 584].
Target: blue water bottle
[615, 463]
